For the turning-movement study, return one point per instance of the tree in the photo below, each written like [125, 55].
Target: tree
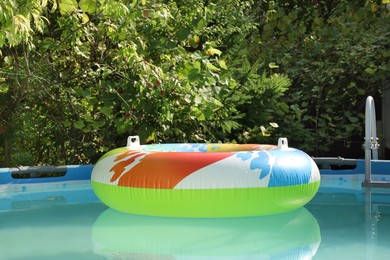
[336, 54]
[77, 77]
[97, 71]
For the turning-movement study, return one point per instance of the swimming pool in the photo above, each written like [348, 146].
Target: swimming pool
[65, 220]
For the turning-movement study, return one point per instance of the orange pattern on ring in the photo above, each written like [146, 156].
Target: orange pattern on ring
[162, 170]
[119, 167]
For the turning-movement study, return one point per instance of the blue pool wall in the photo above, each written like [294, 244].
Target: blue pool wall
[380, 171]
[71, 173]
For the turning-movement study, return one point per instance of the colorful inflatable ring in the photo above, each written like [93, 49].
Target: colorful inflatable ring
[205, 180]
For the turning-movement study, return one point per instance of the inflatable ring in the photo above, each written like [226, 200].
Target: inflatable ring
[205, 180]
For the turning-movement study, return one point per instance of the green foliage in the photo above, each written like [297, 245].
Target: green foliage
[19, 19]
[336, 53]
[99, 70]
[77, 77]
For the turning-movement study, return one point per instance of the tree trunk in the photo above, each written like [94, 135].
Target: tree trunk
[6, 149]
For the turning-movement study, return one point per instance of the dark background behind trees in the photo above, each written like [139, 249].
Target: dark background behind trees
[77, 77]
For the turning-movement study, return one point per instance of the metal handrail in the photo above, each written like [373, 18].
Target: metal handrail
[371, 144]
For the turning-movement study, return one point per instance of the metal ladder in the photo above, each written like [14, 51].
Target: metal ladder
[371, 145]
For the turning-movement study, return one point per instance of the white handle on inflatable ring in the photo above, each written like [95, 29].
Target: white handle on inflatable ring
[282, 143]
[133, 142]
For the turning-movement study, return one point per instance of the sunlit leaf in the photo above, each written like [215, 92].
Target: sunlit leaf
[3, 88]
[88, 6]
[84, 18]
[222, 64]
[67, 6]
[211, 66]
[198, 99]
[213, 51]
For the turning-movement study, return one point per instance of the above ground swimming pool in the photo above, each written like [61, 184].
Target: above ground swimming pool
[65, 220]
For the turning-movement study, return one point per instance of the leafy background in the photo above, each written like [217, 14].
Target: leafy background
[78, 77]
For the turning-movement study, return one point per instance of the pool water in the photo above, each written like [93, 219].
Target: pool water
[66, 221]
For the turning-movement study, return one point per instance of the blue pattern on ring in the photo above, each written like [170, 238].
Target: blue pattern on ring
[261, 162]
[292, 167]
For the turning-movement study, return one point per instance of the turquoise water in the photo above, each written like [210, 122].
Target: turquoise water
[66, 221]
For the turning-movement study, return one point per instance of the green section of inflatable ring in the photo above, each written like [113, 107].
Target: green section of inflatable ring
[205, 203]
[115, 151]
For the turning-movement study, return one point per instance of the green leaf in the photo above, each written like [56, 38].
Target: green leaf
[146, 133]
[264, 131]
[67, 123]
[212, 51]
[208, 113]
[353, 119]
[183, 34]
[198, 99]
[2, 40]
[222, 64]
[3, 88]
[67, 6]
[211, 66]
[198, 114]
[107, 111]
[197, 65]
[194, 41]
[198, 23]
[84, 18]
[79, 124]
[88, 6]
[54, 7]
[98, 124]
[370, 70]
[88, 118]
